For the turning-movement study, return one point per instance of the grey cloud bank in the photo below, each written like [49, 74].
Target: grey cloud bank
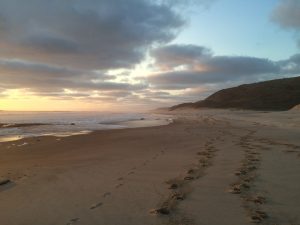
[287, 16]
[171, 56]
[48, 46]
[201, 67]
[16, 74]
[87, 34]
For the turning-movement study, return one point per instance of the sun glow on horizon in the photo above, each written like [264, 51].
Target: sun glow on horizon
[20, 100]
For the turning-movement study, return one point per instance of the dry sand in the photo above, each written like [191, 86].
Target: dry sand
[209, 167]
[297, 107]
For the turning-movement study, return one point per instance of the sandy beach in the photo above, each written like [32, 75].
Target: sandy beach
[208, 167]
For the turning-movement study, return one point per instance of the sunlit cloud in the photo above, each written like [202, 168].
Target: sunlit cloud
[85, 34]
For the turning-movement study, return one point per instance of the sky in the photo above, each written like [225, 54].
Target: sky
[135, 55]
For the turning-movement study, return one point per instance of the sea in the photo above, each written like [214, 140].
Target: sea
[62, 124]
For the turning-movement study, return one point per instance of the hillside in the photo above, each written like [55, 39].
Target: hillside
[281, 94]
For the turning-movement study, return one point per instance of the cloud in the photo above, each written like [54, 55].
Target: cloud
[291, 65]
[178, 80]
[90, 34]
[38, 77]
[240, 65]
[193, 66]
[51, 44]
[2, 92]
[38, 69]
[172, 56]
[66, 49]
[287, 16]
[200, 58]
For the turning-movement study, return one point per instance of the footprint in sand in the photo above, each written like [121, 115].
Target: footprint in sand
[203, 153]
[258, 216]
[4, 182]
[188, 178]
[173, 186]
[257, 199]
[119, 185]
[190, 171]
[73, 221]
[235, 189]
[106, 194]
[290, 151]
[96, 205]
[178, 196]
[177, 186]
[161, 211]
[154, 157]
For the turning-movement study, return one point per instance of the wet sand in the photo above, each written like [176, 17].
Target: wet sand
[8, 125]
[208, 167]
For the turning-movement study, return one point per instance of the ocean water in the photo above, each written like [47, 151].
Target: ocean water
[71, 123]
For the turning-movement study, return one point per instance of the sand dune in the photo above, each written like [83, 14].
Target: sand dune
[296, 108]
[210, 167]
[280, 94]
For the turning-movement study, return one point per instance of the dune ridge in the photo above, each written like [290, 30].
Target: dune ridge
[280, 94]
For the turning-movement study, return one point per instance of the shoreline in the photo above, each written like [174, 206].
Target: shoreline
[117, 125]
[185, 172]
